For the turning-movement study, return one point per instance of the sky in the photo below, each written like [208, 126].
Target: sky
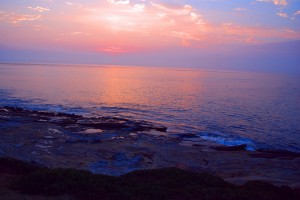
[260, 35]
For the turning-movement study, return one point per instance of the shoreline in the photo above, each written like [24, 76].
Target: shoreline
[115, 146]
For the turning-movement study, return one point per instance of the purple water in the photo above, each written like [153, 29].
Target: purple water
[258, 109]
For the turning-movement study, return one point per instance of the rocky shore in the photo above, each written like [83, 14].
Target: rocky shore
[115, 146]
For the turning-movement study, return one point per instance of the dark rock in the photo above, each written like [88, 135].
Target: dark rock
[106, 125]
[241, 147]
[148, 155]
[121, 160]
[98, 164]
[1, 153]
[65, 119]
[185, 135]
[161, 129]
[205, 161]
[19, 145]
[264, 153]
[37, 163]
[117, 165]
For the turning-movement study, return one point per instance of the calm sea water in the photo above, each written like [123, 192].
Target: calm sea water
[258, 109]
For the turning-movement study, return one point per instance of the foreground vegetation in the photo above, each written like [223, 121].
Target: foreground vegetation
[168, 183]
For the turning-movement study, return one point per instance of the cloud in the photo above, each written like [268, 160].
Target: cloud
[39, 9]
[150, 25]
[2, 15]
[281, 14]
[16, 18]
[280, 2]
[297, 13]
[123, 2]
[275, 2]
[73, 4]
[132, 26]
[114, 50]
[158, 20]
[232, 33]
[76, 33]
[240, 9]
[39, 27]
[138, 8]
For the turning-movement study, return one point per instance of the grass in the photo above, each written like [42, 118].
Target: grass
[162, 184]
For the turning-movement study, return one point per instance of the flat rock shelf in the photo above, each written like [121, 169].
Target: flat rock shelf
[116, 146]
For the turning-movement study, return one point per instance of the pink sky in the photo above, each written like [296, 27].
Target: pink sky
[116, 27]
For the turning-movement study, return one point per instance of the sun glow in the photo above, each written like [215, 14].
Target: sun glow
[160, 24]
[118, 26]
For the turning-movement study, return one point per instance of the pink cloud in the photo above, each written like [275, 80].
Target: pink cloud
[297, 12]
[39, 9]
[275, 2]
[16, 18]
[240, 9]
[114, 50]
[115, 27]
[123, 2]
[2, 15]
[281, 14]
[280, 2]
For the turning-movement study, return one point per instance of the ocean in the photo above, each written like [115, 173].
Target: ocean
[261, 110]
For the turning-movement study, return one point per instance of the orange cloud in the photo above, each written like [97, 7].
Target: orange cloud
[16, 18]
[150, 25]
[122, 26]
[280, 2]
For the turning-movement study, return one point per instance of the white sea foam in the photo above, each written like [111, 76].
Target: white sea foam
[228, 139]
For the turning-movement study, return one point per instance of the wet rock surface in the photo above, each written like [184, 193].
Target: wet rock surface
[64, 119]
[271, 154]
[241, 147]
[116, 146]
[121, 162]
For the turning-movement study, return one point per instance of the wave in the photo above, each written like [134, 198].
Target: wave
[219, 138]
[228, 140]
